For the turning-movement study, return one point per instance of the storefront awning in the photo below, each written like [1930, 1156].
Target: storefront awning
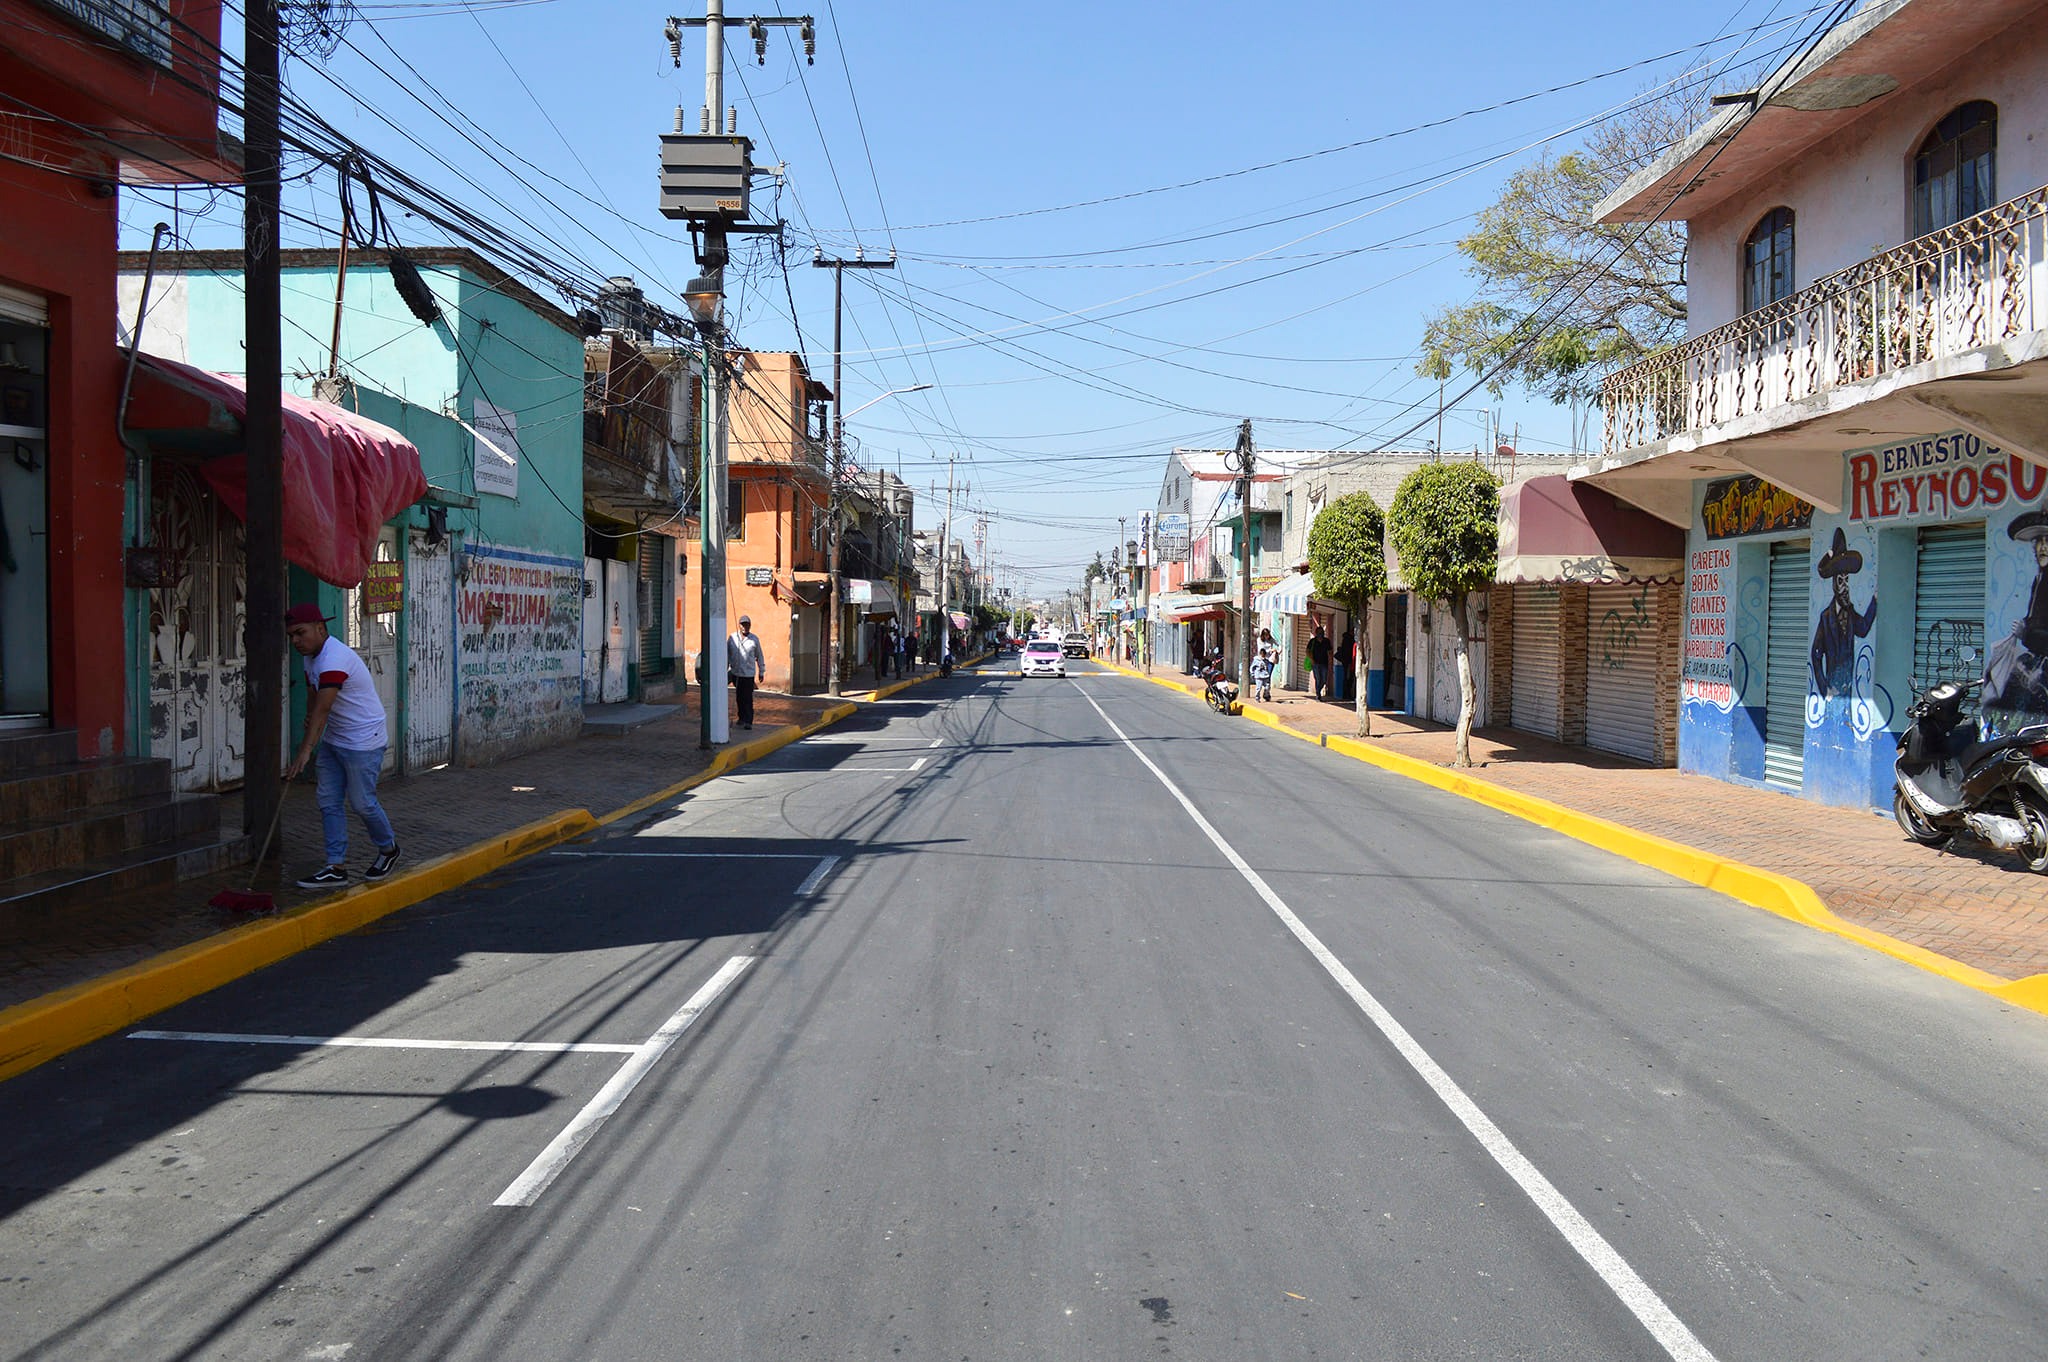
[960, 621]
[344, 475]
[1553, 529]
[1288, 596]
[1183, 607]
[874, 598]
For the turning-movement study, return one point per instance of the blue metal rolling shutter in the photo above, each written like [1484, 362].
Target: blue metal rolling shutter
[1786, 644]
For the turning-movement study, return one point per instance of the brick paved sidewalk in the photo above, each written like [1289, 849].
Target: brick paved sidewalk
[1979, 910]
[434, 813]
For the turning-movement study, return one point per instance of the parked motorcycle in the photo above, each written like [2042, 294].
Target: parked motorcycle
[1948, 784]
[1218, 690]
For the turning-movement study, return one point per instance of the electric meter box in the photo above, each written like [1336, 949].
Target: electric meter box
[704, 176]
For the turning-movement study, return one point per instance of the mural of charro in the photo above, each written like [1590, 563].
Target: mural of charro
[2016, 671]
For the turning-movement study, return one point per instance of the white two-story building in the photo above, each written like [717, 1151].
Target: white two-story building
[1855, 432]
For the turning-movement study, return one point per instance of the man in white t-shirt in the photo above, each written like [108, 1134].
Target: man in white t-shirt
[345, 727]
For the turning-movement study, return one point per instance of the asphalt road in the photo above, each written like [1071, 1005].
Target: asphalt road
[1047, 1019]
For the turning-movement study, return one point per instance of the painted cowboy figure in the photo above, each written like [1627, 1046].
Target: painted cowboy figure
[1841, 623]
[2016, 673]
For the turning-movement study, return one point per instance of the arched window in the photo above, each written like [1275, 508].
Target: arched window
[1767, 260]
[1955, 172]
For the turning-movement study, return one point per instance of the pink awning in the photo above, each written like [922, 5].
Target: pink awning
[1555, 530]
[344, 474]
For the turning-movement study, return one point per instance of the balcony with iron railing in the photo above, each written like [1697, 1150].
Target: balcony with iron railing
[1968, 287]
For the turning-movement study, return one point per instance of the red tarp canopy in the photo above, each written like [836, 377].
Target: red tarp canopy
[344, 475]
[1555, 530]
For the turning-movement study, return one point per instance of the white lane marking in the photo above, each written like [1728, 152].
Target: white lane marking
[816, 877]
[918, 764]
[536, 1047]
[702, 855]
[527, 1187]
[1636, 1294]
[938, 742]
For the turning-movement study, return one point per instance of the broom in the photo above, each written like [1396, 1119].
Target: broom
[252, 899]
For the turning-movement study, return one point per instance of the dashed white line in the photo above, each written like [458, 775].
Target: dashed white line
[548, 1165]
[1636, 1294]
[816, 877]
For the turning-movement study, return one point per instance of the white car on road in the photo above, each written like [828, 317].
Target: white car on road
[1042, 657]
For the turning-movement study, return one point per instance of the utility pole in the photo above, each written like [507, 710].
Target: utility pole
[838, 469]
[711, 193]
[945, 563]
[263, 636]
[1145, 606]
[1243, 462]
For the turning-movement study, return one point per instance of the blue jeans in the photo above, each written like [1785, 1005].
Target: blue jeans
[348, 780]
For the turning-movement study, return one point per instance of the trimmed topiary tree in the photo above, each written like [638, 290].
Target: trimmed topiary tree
[1445, 523]
[1347, 556]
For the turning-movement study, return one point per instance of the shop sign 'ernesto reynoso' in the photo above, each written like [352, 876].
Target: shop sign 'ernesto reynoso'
[1937, 477]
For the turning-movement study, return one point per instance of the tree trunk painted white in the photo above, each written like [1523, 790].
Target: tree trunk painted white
[1361, 635]
[1467, 700]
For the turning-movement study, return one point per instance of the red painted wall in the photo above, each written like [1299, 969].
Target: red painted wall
[60, 242]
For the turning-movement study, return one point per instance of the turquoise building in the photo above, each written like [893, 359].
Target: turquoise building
[471, 618]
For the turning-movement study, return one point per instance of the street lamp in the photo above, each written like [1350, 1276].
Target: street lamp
[705, 294]
[834, 676]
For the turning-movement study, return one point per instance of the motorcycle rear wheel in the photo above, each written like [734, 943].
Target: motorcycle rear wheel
[1914, 824]
[2035, 854]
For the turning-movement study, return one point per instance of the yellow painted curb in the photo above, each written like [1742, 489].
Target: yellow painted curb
[1746, 884]
[43, 1028]
[729, 758]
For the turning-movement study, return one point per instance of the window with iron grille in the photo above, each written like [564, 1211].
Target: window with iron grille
[1767, 260]
[1955, 173]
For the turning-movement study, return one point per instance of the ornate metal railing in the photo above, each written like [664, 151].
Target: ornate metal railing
[1969, 285]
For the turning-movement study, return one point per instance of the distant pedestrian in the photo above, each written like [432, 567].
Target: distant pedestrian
[746, 665]
[345, 739]
[1263, 662]
[902, 652]
[1347, 666]
[1319, 661]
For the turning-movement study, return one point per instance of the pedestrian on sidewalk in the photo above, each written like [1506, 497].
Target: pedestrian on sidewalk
[902, 652]
[1319, 661]
[745, 664]
[345, 739]
[1347, 666]
[1263, 663]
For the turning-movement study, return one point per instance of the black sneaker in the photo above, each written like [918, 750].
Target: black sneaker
[381, 867]
[327, 877]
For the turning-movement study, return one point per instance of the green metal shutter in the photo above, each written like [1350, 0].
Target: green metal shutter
[1948, 604]
[653, 603]
[1787, 642]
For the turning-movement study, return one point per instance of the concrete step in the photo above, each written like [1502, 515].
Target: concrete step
[29, 900]
[23, 752]
[78, 835]
[58, 790]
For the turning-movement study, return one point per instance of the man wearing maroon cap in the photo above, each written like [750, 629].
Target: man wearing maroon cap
[345, 727]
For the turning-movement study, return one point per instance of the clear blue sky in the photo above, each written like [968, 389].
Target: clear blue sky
[1070, 341]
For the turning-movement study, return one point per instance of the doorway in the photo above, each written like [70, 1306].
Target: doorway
[24, 520]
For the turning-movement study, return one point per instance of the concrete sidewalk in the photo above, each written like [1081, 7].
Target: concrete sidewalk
[435, 813]
[1980, 911]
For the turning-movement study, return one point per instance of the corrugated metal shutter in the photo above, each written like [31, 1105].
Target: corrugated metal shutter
[1621, 669]
[1532, 695]
[1786, 645]
[653, 607]
[1948, 604]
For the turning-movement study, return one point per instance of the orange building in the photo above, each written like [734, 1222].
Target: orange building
[776, 498]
